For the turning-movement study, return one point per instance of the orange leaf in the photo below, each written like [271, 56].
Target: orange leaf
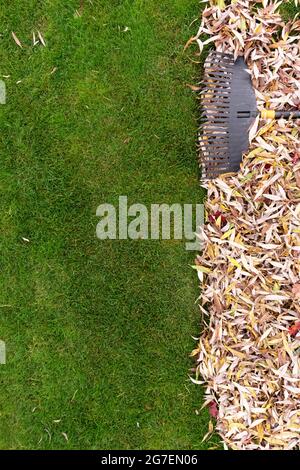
[193, 87]
[192, 39]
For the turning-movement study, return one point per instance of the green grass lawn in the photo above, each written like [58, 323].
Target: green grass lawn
[98, 334]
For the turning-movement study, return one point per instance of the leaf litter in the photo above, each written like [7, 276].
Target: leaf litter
[249, 354]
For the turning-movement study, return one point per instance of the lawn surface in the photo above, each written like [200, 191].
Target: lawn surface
[98, 334]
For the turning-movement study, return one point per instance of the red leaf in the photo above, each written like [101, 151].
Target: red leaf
[294, 329]
[296, 157]
[213, 409]
[213, 217]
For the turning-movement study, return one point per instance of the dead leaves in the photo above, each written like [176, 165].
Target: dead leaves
[254, 129]
[296, 290]
[193, 87]
[36, 39]
[189, 42]
[250, 265]
[42, 40]
[294, 329]
[213, 409]
[16, 39]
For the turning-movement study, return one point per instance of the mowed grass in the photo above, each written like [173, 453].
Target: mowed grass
[98, 333]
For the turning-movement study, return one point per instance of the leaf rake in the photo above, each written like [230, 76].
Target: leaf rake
[228, 110]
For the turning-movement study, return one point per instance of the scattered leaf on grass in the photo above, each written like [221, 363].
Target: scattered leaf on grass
[16, 39]
[41, 39]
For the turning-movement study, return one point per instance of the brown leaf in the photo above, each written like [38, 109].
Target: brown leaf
[41, 39]
[217, 303]
[193, 87]
[16, 39]
[190, 41]
[81, 7]
[296, 290]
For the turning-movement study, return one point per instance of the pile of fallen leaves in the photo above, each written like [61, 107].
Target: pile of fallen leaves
[249, 353]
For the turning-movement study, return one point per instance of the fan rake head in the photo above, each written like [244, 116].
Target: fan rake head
[228, 110]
